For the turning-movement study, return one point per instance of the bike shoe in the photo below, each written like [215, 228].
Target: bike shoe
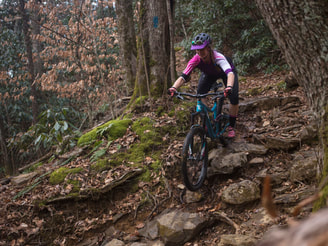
[231, 132]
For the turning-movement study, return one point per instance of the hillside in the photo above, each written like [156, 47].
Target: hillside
[99, 195]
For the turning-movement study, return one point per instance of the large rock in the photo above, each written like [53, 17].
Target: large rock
[176, 227]
[285, 121]
[264, 103]
[304, 170]
[295, 197]
[115, 242]
[242, 192]
[277, 175]
[226, 164]
[256, 149]
[268, 103]
[236, 240]
[279, 143]
[309, 134]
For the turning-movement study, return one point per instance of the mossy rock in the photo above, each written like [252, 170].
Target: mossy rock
[111, 130]
[59, 175]
[144, 128]
[150, 139]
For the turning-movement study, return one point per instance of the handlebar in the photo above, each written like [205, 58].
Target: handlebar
[216, 95]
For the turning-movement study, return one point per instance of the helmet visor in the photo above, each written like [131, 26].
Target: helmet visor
[198, 44]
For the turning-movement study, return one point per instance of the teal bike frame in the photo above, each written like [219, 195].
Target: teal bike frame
[219, 123]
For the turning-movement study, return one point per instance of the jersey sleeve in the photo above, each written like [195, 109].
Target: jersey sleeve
[222, 61]
[193, 62]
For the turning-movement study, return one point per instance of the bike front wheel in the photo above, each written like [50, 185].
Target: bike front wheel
[194, 158]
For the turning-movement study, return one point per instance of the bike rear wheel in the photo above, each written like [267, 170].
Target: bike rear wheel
[194, 158]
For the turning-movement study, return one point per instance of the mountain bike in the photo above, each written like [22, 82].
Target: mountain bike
[195, 150]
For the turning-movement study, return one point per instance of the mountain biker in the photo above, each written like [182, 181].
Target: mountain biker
[213, 66]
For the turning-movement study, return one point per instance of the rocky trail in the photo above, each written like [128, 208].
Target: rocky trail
[275, 136]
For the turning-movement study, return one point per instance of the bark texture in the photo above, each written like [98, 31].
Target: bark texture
[156, 23]
[28, 44]
[36, 44]
[152, 71]
[301, 30]
[127, 39]
[170, 15]
[4, 156]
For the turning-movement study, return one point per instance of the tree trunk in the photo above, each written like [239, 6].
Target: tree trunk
[153, 46]
[170, 14]
[156, 20]
[28, 44]
[127, 39]
[35, 27]
[5, 161]
[301, 30]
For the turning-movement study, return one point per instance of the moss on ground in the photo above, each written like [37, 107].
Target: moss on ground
[146, 131]
[101, 165]
[76, 186]
[149, 145]
[254, 91]
[33, 168]
[111, 130]
[281, 86]
[59, 175]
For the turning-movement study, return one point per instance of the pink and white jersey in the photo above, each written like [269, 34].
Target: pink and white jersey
[220, 65]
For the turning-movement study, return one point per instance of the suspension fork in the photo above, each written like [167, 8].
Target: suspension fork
[202, 116]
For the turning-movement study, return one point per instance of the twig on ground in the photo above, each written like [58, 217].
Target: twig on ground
[155, 205]
[223, 217]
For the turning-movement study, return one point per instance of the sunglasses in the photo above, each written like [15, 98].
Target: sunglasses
[197, 42]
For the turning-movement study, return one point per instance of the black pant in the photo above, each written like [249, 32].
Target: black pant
[206, 81]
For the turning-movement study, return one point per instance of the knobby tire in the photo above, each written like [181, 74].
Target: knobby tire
[194, 158]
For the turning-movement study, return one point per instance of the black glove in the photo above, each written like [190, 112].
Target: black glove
[228, 91]
[171, 91]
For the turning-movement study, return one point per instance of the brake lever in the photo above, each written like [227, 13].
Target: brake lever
[179, 96]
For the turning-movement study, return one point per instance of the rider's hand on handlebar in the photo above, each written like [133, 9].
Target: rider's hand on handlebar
[227, 91]
[171, 91]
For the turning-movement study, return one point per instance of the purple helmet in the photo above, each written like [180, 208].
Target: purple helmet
[201, 41]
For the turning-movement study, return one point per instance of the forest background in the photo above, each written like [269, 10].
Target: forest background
[61, 63]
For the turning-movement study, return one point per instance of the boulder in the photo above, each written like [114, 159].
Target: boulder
[176, 227]
[256, 149]
[304, 170]
[227, 164]
[242, 192]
